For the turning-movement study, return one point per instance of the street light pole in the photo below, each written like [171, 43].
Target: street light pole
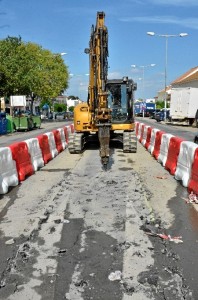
[166, 36]
[143, 85]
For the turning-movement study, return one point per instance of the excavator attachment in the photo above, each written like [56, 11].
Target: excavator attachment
[104, 139]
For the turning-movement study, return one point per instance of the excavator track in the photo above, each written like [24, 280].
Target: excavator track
[76, 142]
[129, 142]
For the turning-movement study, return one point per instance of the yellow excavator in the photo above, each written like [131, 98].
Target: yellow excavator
[108, 113]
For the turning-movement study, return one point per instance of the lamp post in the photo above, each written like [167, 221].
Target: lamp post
[143, 71]
[166, 36]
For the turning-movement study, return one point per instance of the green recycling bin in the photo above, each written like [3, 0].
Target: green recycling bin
[10, 126]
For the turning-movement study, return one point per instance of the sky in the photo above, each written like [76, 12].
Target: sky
[65, 26]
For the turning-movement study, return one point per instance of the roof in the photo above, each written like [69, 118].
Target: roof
[190, 75]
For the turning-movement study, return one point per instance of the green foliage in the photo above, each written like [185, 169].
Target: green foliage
[27, 68]
[159, 104]
[71, 108]
[59, 107]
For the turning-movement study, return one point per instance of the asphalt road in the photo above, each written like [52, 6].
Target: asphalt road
[46, 126]
[186, 132]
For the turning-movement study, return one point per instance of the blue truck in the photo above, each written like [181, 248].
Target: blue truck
[147, 108]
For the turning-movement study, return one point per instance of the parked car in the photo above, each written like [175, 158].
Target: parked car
[60, 116]
[159, 116]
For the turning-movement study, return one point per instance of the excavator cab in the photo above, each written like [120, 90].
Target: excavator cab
[120, 100]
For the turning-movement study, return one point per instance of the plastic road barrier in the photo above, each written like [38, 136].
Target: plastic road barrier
[143, 142]
[21, 155]
[72, 128]
[66, 134]
[52, 144]
[136, 128]
[185, 161]
[141, 133]
[45, 147]
[164, 148]
[62, 136]
[148, 137]
[152, 140]
[157, 144]
[58, 141]
[173, 153]
[8, 171]
[35, 152]
[193, 182]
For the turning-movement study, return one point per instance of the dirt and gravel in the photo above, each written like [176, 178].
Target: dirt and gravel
[74, 231]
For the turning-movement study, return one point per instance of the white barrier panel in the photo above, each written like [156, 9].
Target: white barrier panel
[164, 148]
[140, 130]
[145, 134]
[35, 153]
[52, 144]
[8, 171]
[63, 140]
[152, 141]
[68, 129]
[184, 163]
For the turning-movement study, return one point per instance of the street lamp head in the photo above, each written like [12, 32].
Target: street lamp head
[183, 34]
[153, 65]
[133, 66]
[151, 33]
[63, 53]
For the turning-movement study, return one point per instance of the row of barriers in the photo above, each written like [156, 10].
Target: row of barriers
[23, 159]
[176, 155]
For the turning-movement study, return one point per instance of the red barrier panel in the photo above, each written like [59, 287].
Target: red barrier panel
[172, 156]
[193, 182]
[66, 134]
[72, 128]
[58, 141]
[22, 158]
[158, 139]
[142, 133]
[137, 128]
[148, 137]
[45, 147]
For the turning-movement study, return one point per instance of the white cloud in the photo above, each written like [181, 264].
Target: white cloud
[188, 22]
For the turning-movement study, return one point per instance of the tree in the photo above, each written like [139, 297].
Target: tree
[28, 69]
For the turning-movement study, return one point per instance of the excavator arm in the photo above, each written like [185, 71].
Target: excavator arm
[98, 94]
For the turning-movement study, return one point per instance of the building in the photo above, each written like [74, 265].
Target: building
[188, 79]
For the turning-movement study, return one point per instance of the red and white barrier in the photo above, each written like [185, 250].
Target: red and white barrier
[58, 141]
[52, 144]
[139, 131]
[35, 153]
[152, 140]
[157, 144]
[62, 136]
[8, 170]
[148, 137]
[45, 148]
[146, 128]
[173, 153]
[185, 161]
[193, 181]
[22, 157]
[164, 148]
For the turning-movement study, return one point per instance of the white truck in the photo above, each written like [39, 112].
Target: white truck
[184, 105]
